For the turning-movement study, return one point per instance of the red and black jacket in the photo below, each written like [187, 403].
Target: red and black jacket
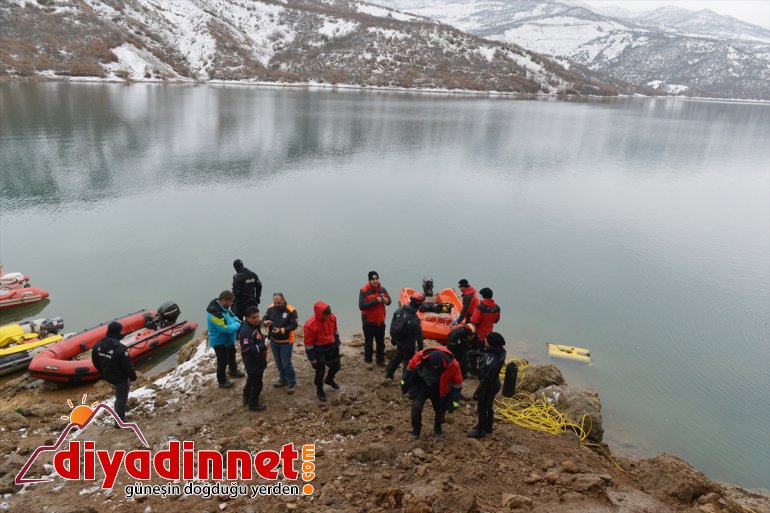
[372, 311]
[451, 381]
[470, 302]
[320, 333]
[484, 317]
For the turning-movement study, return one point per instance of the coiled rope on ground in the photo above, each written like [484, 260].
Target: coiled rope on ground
[527, 411]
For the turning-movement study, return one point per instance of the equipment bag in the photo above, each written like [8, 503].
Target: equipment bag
[399, 325]
[509, 383]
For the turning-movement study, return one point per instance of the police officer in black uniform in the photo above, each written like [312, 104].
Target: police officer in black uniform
[111, 359]
[246, 287]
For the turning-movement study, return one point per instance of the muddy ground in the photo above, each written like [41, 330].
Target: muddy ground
[366, 460]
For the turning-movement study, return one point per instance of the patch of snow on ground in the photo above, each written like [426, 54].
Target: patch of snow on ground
[184, 374]
[381, 12]
[390, 33]
[337, 28]
[488, 52]
[614, 45]
[560, 36]
[102, 8]
[260, 23]
[138, 62]
[676, 89]
[184, 25]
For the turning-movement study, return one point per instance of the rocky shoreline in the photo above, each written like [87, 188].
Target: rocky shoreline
[366, 462]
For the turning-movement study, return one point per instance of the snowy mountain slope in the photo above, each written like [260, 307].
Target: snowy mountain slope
[328, 41]
[704, 23]
[705, 53]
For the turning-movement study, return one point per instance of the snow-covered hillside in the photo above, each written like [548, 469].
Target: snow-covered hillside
[326, 41]
[709, 54]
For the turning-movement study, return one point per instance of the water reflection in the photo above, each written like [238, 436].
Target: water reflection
[86, 142]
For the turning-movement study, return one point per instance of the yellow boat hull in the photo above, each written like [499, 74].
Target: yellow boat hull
[17, 356]
[578, 354]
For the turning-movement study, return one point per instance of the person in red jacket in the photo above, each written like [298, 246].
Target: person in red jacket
[470, 302]
[372, 300]
[433, 374]
[322, 345]
[486, 315]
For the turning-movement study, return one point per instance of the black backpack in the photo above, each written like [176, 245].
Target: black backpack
[399, 325]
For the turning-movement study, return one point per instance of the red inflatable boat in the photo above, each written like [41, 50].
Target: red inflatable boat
[14, 298]
[144, 333]
[436, 322]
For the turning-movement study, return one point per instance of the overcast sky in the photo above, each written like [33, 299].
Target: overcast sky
[753, 11]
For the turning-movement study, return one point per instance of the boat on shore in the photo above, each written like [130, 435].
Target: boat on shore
[144, 333]
[13, 280]
[437, 314]
[15, 298]
[20, 343]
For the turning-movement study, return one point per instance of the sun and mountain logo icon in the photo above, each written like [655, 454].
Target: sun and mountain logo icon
[80, 414]
[80, 417]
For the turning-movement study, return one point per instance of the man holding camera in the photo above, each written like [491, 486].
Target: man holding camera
[372, 300]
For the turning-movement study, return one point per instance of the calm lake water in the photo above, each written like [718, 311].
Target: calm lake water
[636, 228]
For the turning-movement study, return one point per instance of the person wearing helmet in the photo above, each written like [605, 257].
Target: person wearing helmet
[433, 374]
[405, 333]
[246, 287]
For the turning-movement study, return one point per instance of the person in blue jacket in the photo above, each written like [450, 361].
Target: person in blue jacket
[223, 330]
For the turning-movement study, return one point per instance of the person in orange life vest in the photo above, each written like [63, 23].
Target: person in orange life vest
[470, 301]
[281, 320]
[322, 345]
[254, 354]
[433, 374]
[486, 314]
[372, 300]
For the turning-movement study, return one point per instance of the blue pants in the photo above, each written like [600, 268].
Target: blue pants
[282, 356]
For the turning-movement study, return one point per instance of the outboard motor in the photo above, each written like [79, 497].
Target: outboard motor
[427, 286]
[168, 313]
[51, 326]
[14, 333]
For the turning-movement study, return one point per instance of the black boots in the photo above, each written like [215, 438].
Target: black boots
[476, 433]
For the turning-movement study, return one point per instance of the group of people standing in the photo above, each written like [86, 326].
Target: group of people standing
[434, 374]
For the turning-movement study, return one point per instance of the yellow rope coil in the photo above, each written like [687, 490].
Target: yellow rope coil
[538, 414]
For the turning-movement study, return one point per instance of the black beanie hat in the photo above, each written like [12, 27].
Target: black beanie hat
[486, 293]
[462, 283]
[114, 329]
[495, 339]
[238, 264]
[373, 274]
[436, 358]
